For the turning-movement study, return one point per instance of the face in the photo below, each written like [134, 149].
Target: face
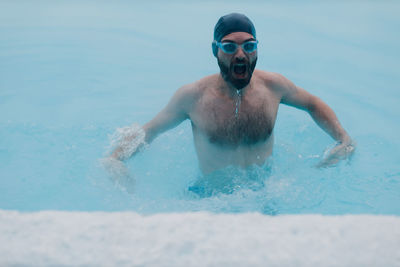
[237, 68]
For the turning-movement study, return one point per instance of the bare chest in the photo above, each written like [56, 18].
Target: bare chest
[244, 120]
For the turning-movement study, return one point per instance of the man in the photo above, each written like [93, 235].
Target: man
[233, 113]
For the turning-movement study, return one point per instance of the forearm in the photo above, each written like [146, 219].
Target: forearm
[324, 116]
[127, 141]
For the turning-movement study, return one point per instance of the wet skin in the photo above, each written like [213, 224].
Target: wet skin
[224, 137]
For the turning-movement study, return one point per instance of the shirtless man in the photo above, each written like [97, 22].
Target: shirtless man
[233, 113]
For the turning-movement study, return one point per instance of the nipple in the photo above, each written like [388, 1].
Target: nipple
[238, 100]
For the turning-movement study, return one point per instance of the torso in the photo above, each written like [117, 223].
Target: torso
[223, 137]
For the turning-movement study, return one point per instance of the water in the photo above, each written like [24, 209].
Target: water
[73, 72]
[237, 102]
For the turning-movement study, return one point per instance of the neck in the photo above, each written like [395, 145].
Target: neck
[230, 90]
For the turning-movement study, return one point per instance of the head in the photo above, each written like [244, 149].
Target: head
[237, 60]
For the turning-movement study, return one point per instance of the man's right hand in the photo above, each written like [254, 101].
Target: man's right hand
[119, 173]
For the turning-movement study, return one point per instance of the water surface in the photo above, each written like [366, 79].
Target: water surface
[72, 72]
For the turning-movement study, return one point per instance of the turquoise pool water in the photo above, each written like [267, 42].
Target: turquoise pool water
[73, 72]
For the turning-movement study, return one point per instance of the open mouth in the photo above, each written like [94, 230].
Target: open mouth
[239, 69]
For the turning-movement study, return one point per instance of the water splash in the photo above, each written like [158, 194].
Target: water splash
[231, 179]
[129, 139]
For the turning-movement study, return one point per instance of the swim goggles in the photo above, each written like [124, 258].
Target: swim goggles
[230, 47]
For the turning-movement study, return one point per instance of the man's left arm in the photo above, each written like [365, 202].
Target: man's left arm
[323, 115]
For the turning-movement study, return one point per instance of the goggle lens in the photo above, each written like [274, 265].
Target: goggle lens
[231, 48]
[249, 46]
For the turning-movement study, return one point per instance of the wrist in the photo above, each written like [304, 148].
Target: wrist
[345, 140]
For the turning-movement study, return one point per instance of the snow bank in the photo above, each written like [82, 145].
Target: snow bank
[197, 239]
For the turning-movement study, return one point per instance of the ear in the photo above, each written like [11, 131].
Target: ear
[214, 48]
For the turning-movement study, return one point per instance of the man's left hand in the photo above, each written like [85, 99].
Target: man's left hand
[340, 152]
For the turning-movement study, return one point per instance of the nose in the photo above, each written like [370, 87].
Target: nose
[240, 55]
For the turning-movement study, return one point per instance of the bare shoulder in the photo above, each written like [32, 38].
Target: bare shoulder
[189, 94]
[206, 82]
[198, 88]
[199, 85]
[273, 79]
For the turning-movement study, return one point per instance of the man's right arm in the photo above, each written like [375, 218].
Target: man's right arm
[169, 117]
[135, 137]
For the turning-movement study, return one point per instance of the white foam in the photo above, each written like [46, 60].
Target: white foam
[129, 139]
[197, 239]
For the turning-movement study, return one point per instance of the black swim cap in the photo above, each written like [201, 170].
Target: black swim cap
[233, 22]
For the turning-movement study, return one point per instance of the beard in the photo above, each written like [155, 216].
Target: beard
[227, 73]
